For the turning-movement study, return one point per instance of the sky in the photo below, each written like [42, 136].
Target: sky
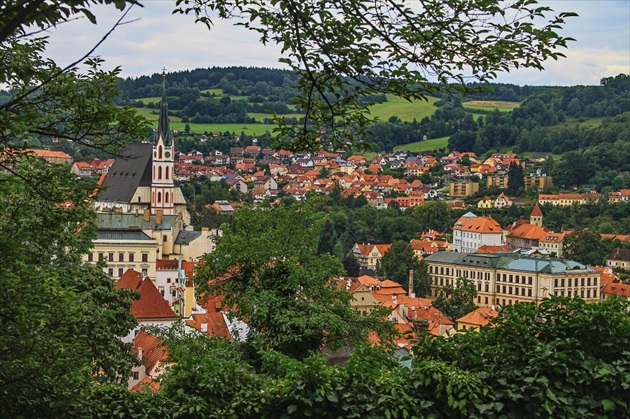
[154, 39]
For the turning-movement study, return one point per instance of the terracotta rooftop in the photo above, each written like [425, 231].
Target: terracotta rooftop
[479, 317]
[151, 305]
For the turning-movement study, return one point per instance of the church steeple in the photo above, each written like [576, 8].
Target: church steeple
[163, 162]
[536, 216]
[163, 129]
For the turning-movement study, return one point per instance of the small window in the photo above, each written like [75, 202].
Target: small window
[110, 272]
[90, 257]
[120, 272]
[145, 257]
[131, 257]
[121, 257]
[110, 257]
[136, 375]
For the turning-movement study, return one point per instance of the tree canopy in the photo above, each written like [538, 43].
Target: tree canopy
[344, 51]
[266, 268]
[60, 319]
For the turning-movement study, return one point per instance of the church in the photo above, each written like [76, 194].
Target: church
[141, 213]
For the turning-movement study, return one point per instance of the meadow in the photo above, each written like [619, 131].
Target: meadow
[395, 106]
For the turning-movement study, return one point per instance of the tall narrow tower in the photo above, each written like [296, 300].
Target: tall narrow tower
[163, 162]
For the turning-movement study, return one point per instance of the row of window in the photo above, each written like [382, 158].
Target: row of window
[121, 271]
[121, 257]
[559, 282]
[518, 279]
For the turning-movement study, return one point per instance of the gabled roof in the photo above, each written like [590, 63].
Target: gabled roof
[471, 223]
[213, 323]
[152, 349]
[479, 317]
[619, 254]
[131, 170]
[529, 231]
[536, 212]
[151, 305]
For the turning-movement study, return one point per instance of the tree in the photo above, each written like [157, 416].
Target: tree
[562, 358]
[265, 266]
[351, 50]
[398, 261]
[60, 318]
[433, 215]
[516, 180]
[456, 300]
[584, 246]
[46, 101]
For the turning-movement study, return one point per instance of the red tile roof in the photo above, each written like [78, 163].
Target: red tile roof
[152, 349]
[479, 317]
[151, 305]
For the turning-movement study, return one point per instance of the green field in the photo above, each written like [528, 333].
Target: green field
[425, 145]
[248, 129]
[490, 105]
[404, 110]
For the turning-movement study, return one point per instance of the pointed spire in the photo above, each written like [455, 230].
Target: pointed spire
[164, 130]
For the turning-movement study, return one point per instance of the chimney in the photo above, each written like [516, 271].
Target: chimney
[140, 353]
[411, 293]
[158, 217]
[147, 215]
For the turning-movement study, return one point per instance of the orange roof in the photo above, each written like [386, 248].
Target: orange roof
[151, 305]
[146, 383]
[616, 288]
[536, 212]
[476, 224]
[529, 231]
[479, 317]
[50, 153]
[486, 248]
[152, 349]
[214, 321]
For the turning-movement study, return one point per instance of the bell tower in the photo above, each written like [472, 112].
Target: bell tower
[163, 161]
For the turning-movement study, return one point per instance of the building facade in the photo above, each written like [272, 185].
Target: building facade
[471, 232]
[507, 278]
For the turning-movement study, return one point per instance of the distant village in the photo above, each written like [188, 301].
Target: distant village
[147, 242]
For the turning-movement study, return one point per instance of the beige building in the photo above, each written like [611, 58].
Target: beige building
[538, 181]
[463, 188]
[507, 278]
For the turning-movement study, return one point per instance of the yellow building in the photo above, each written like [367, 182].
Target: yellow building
[538, 181]
[477, 319]
[463, 188]
[485, 203]
[507, 278]
[497, 181]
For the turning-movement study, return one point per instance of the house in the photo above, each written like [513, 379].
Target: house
[471, 232]
[619, 259]
[622, 195]
[152, 356]
[368, 255]
[51, 156]
[553, 243]
[150, 309]
[527, 235]
[477, 319]
[568, 199]
[426, 247]
[485, 203]
[502, 201]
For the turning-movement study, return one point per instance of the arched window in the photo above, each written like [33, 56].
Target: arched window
[160, 173]
[153, 200]
[160, 152]
[166, 197]
[168, 172]
[159, 197]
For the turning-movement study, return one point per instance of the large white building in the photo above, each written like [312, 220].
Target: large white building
[471, 232]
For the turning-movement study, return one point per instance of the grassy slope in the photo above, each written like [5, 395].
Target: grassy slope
[395, 106]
